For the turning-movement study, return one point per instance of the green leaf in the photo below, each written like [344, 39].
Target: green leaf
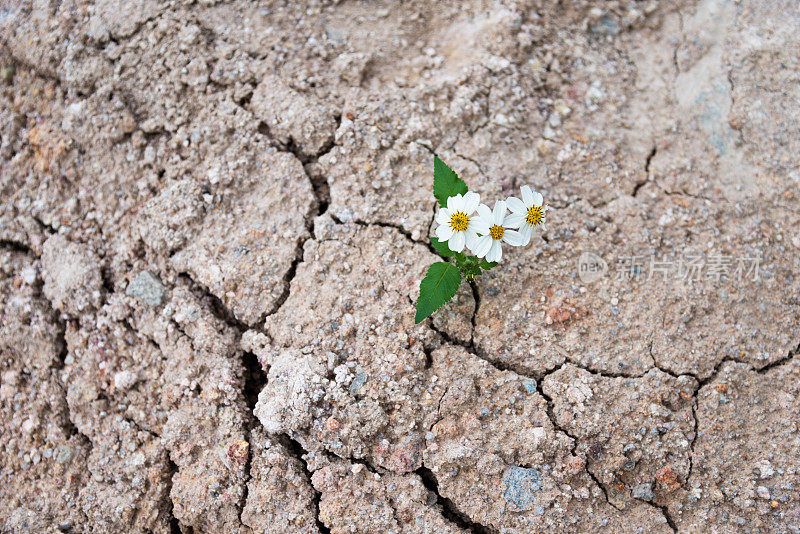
[437, 288]
[486, 265]
[441, 247]
[446, 182]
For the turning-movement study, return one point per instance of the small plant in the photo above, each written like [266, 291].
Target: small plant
[463, 222]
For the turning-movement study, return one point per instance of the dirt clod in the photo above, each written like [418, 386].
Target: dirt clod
[214, 218]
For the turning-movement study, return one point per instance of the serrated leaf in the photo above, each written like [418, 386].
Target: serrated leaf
[441, 247]
[446, 182]
[437, 288]
[486, 265]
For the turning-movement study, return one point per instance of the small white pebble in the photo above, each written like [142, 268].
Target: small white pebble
[28, 274]
[28, 426]
[123, 380]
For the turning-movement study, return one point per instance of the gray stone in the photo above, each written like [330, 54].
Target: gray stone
[147, 287]
[520, 485]
[643, 492]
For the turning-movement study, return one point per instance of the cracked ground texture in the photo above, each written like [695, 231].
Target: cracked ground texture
[213, 223]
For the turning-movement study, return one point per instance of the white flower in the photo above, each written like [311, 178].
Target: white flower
[457, 221]
[528, 213]
[493, 224]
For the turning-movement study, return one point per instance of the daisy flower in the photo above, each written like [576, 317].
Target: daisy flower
[528, 213]
[495, 223]
[457, 222]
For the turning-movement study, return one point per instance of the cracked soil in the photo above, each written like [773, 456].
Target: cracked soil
[214, 217]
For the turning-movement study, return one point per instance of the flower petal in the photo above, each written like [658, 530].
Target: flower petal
[514, 238]
[496, 252]
[515, 205]
[483, 246]
[527, 232]
[456, 243]
[443, 217]
[499, 212]
[471, 201]
[484, 212]
[480, 225]
[444, 232]
[514, 220]
[458, 203]
[472, 240]
[537, 198]
[527, 195]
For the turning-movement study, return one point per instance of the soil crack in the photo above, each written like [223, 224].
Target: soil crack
[449, 509]
[647, 163]
[299, 452]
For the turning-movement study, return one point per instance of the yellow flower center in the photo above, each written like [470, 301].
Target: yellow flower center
[535, 215]
[459, 221]
[497, 232]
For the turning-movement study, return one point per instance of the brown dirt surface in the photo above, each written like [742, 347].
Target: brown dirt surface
[214, 218]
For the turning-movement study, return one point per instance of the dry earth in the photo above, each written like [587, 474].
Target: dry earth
[214, 220]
